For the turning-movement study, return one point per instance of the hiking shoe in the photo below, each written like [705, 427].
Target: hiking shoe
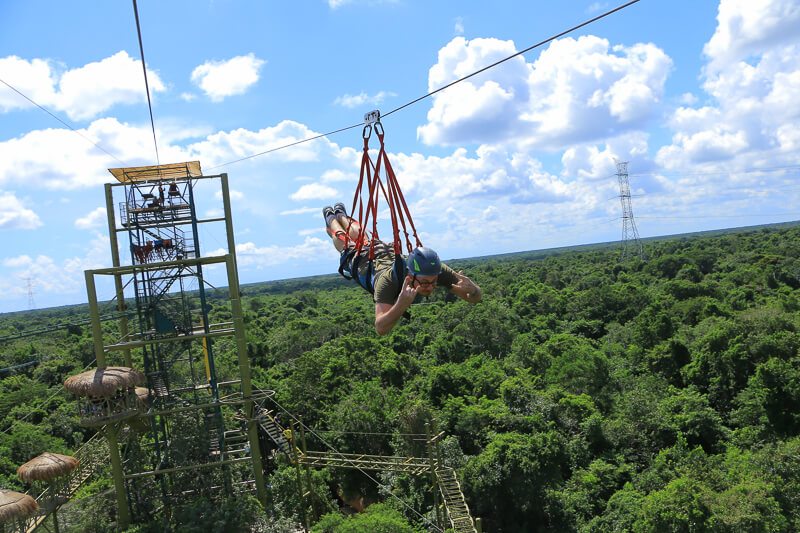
[328, 214]
[340, 209]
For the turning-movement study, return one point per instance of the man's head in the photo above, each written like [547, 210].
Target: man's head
[424, 266]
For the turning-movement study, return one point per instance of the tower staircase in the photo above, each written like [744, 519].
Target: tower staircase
[270, 427]
[454, 502]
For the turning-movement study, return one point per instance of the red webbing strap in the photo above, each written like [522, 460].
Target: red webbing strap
[390, 196]
[398, 208]
[372, 210]
[399, 202]
[365, 169]
[371, 207]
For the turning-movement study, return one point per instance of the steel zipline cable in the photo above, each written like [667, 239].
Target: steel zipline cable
[419, 99]
[61, 121]
[146, 85]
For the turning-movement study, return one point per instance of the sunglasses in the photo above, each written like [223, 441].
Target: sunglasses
[424, 283]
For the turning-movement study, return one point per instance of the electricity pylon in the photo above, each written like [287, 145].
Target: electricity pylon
[630, 235]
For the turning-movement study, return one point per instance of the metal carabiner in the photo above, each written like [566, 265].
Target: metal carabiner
[367, 132]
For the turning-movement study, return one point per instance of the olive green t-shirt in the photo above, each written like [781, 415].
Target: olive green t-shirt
[387, 288]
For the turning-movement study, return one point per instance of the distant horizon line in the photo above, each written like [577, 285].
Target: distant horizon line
[568, 248]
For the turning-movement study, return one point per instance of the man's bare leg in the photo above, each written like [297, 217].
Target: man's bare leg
[335, 230]
[350, 224]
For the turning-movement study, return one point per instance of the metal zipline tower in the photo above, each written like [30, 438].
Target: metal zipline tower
[192, 430]
[630, 235]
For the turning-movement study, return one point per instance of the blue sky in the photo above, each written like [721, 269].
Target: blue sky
[702, 99]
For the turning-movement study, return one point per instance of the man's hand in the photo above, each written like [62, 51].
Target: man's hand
[387, 315]
[466, 289]
[407, 294]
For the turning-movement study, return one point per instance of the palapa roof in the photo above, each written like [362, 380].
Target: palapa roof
[171, 171]
[103, 382]
[15, 505]
[46, 467]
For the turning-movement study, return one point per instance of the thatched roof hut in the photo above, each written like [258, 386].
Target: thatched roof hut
[46, 467]
[103, 382]
[14, 505]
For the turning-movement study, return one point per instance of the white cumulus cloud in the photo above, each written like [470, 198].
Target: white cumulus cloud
[314, 191]
[54, 277]
[458, 28]
[220, 79]
[751, 27]
[14, 214]
[350, 101]
[82, 93]
[74, 163]
[752, 80]
[251, 255]
[71, 161]
[94, 219]
[233, 194]
[577, 90]
[335, 174]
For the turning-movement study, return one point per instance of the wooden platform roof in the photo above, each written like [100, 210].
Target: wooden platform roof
[188, 169]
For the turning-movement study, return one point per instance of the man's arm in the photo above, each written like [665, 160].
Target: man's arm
[466, 289]
[387, 315]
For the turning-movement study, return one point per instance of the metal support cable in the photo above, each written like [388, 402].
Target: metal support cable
[146, 85]
[301, 141]
[61, 121]
[369, 433]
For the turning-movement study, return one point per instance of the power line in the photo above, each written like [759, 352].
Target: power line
[337, 432]
[678, 172]
[61, 121]
[722, 216]
[414, 101]
[21, 365]
[146, 85]
[749, 189]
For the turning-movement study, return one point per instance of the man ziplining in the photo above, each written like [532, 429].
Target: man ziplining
[394, 281]
[380, 268]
